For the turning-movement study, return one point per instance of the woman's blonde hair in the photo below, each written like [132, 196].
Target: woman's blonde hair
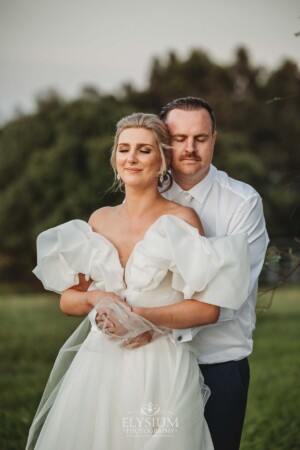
[149, 122]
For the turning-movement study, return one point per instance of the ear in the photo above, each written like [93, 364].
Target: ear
[214, 136]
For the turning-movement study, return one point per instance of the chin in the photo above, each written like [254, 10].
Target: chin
[190, 170]
[139, 183]
[132, 182]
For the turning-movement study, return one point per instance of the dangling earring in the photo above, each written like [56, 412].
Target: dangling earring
[161, 178]
[118, 177]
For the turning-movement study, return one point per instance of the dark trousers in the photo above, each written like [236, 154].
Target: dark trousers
[226, 406]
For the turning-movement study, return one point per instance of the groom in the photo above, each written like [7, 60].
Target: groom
[225, 206]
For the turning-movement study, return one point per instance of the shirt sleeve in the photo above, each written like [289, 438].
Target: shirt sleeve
[248, 219]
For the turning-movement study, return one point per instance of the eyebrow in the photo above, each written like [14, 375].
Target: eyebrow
[138, 145]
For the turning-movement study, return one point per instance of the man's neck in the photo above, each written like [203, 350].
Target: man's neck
[187, 182]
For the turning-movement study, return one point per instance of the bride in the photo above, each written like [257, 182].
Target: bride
[140, 269]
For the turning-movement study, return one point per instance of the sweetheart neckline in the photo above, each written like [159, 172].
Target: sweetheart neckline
[139, 242]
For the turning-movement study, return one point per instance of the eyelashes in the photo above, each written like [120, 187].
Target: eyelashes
[125, 150]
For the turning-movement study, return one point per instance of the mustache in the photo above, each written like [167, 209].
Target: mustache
[192, 156]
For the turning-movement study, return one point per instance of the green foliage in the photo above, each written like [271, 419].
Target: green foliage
[32, 330]
[54, 164]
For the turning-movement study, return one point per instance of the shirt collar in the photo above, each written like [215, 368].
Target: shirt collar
[199, 192]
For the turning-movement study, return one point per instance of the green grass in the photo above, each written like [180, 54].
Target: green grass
[273, 414]
[32, 329]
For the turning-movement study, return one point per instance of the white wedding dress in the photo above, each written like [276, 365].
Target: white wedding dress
[102, 396]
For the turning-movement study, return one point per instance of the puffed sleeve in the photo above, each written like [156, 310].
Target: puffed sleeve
[72, 248]
[213, 270]
[218, 273]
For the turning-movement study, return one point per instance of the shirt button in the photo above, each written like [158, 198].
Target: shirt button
[179, 338]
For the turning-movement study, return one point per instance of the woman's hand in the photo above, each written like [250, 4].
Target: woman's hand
[111, 323]
[116, 319]
[109, 320]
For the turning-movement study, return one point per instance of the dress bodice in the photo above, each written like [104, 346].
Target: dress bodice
[172, 258]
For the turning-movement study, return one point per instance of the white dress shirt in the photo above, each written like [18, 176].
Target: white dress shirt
[226, 206]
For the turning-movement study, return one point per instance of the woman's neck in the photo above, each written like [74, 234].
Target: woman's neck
[139, 203]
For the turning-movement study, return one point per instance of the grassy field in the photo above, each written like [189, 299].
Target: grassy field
[273, 414]
[32, 329]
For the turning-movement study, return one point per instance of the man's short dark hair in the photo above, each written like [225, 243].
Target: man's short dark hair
[188, 104]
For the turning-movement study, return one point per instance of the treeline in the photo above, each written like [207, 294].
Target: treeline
[54, 164]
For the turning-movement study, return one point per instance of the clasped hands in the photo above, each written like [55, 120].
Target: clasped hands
[115, 318]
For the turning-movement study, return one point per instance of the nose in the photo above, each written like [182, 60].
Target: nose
[132, 157]
[189, 145]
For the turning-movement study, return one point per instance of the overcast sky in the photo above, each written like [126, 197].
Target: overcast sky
[66, 44]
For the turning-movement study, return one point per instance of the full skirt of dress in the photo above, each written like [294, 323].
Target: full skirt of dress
[113, 398]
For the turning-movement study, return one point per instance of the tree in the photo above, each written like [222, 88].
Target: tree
[54, 164]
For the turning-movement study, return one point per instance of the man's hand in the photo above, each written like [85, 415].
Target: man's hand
[140, 340]
[107, 320]
[116, 319]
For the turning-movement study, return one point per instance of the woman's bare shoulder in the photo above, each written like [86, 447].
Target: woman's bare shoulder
[189, 215]
[101, 217]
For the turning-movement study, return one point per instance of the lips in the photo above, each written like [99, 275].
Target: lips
[128, 169]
